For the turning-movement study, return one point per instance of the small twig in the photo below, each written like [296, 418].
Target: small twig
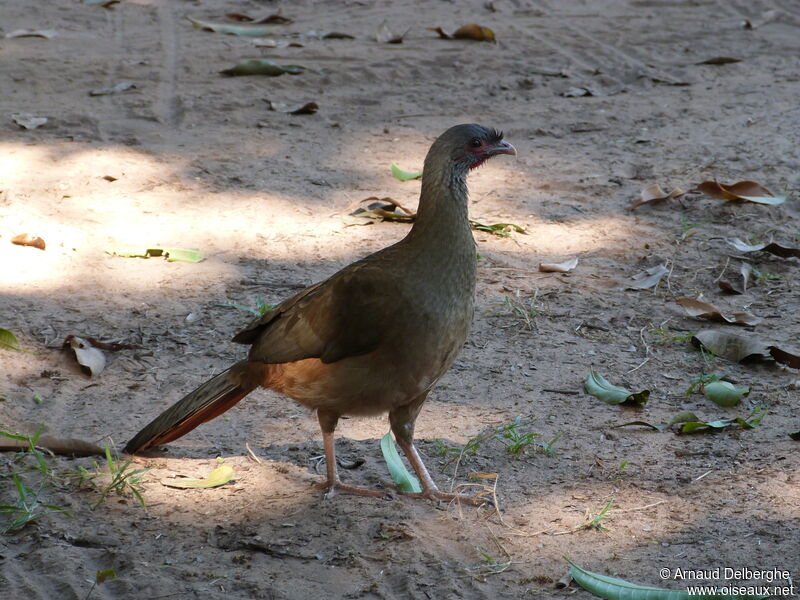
[727, 260]
[251, 453]
[703, 475]
[567, 392]
[645, 507]
[639, 366]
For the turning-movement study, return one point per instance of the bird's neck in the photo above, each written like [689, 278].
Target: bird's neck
[443, 209]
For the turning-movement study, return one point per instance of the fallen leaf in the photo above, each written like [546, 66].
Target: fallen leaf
[563, 267]
[274, 19]
[703, 310]
[309, 108]
[719, 60]
[691, 423]
[386, 36]
[654, 193]
[647, 278]
[103, 3]
[596, 385]
[441, 32]
[26, 239]
[739, 191]
[336, 35]
[744, 270]
[739, 348]
[724, 393]
[500, 229]
[62, 446]
[8, 340]
[242, 29]
[41, 33]
[122, 86]
[219, 476]
[384, 209]
[402, 175]
[192, 255]
[795, 436]
[771, 247]
[91, 359]
[405, 481]
[262, 66]
[479, 33]
[29, 122]
[101, 576]
[577, 92]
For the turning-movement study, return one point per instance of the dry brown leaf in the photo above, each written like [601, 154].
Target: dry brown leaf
[740, 191]
[309, 108]
[62, 446]
[275, 19]
[654, 193]
[771, 247]
[739, 348]
[91, 359]
[26, 239]
[647, 278]
[384, 209]
[562, 267]
[703, 310]
[744, 270]
[467, 32]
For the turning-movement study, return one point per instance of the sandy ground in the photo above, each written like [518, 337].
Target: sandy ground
[189, 158]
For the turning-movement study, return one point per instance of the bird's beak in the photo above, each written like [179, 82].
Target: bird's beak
[502, 147]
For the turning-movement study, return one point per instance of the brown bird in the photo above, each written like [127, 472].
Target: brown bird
[374, 337]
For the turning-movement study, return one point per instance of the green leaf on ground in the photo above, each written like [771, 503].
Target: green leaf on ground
[192, 255]
[8, 340]
[400, 475]
[501, 229]
[262, 66]
[219, 476]
[402, 175]
[596, 385]
[691, 423]
[613, 588]
[724, 393]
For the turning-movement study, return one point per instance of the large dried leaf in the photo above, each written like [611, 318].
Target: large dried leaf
[261, 66]
[742, 190]
[647, 278]
[562, 267]
[739, 348]
[91, 359]
[596, 385]
[704, 310]
[745, 269]
[653, 193]
[771, 247]
[405, 481]
[242, 29]
[26, 239]
[219, 476]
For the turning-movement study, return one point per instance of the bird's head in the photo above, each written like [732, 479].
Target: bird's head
[469, 146]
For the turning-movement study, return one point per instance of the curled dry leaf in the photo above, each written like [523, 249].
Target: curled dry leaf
[242, 29]
[261, 66]
[740, 191]
[739, 348]
[647, 278]
[744, 270]
[122, 86]
[40, 33]
[309, 108]
[29, 122]
[562, 267]
[274, 19]
[91, 359]
[478, 33]
[384, 209]
[26, 239]
[704, 310]
[653, 193]
[771, 247]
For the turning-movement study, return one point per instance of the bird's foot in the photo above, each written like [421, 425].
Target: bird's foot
[337, 487]
[478, 499]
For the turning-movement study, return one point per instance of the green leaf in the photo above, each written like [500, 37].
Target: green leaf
[101, 576]
[402, 175]
[192, 255]
[724, 393]
[597, 386]
[400, 475]
[613, 588]
[262, 66]
[690, 423]
[8, 340]
[219, 476]
[243, 29]
[501, 229]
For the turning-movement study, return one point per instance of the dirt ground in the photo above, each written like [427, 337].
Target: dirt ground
[191, 159]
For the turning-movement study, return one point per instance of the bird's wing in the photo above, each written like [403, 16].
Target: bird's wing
[342, 316]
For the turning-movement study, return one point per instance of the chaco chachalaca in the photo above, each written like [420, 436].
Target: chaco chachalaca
[374, 337]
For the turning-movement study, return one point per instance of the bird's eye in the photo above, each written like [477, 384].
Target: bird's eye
[475, 143]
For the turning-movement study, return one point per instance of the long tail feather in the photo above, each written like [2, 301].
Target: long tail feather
[210, 400]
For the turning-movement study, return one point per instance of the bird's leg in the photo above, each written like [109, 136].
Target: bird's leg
[327, 422]
[402, 420]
